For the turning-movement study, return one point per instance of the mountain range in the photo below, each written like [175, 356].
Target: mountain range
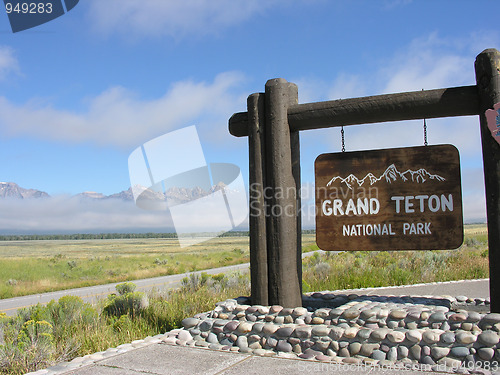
[12, 190]
[173, 195]
[390, 175]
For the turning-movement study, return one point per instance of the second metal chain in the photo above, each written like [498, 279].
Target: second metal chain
[342, 135]
[425, 133]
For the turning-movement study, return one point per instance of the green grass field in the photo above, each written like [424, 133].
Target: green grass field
[42, 335]
[29, 267]
[362, 269]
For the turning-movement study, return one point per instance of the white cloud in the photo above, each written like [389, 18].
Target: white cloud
[434, 63]
[428, 62]
[8, 62]
[313, 89]
[347, 86]
[64, 214]
[391, 4]
[118, 117]
[463, 132]
[473, 195]
[172, 17]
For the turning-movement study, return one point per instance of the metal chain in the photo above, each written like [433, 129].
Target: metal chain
[343, 141]
[425, 133]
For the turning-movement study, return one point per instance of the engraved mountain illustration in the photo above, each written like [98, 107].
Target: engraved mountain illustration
[390, 175]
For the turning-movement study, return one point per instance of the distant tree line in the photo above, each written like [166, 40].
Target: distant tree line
[84, 236]
[112, 236]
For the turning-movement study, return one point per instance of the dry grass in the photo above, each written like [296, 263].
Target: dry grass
[29, 267]
[383, 268]
[114, 247]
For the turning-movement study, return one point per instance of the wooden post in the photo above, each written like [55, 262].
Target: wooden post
[257, 216]
[283, 278]
[487, 67]
[295, 146]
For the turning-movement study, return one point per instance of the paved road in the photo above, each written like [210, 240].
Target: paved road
[92, 293]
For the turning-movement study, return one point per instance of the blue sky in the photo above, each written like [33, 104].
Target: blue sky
[80, 93]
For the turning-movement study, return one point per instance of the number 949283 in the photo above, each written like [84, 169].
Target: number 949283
[31, 8]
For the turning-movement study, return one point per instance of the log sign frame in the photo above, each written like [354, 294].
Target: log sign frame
[393, 199]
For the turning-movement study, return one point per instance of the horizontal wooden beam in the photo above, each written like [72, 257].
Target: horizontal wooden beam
[449, 102]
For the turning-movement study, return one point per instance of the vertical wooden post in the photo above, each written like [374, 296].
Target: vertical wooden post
[487, 68]
[257, 216]
[295, 146]
[283, 279]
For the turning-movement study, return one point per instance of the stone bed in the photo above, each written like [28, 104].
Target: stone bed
[419, 332]
[438, 333]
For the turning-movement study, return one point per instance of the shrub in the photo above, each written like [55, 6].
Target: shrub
[125, 288]
[160, 262]
[35, 333]
[322, 269]
[218, 277]
[28, 346]
[123, 323]
[472, 242]
[69, 314]
[195, 281]
[128, 302]
[66, 310]
[305, 287]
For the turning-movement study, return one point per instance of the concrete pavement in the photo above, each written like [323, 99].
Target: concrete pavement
[167, 359]
[159, 358]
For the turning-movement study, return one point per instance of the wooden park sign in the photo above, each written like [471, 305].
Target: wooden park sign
[272, 123]
[395, 199]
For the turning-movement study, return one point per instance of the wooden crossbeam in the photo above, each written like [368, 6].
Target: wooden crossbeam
[448, 102]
